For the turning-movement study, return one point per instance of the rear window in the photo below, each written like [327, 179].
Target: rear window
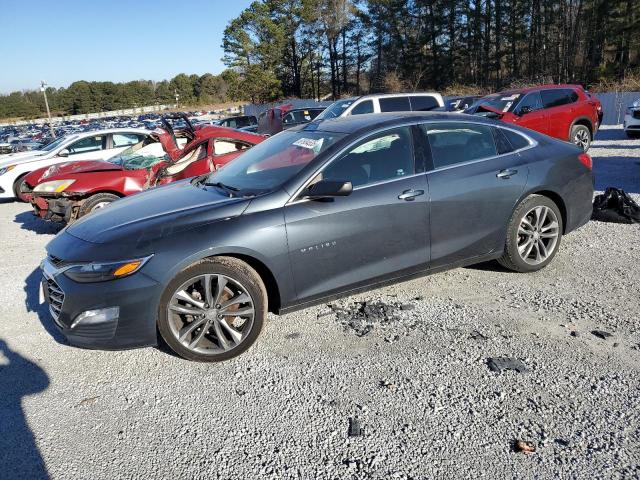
[394, 104]
[421, 103]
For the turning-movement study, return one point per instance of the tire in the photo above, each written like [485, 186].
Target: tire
[525, 259]
[95, 202]
[581, 136]
[16, 186]
[631, 134]
[203, 345]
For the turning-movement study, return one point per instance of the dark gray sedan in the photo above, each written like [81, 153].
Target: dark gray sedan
[313, 213]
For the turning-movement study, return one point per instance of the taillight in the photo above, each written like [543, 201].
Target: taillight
[586, 160]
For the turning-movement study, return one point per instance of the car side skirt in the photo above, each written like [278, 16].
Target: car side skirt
[387, 280]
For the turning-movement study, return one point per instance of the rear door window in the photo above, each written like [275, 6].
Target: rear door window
[394, 104]
[423, 103]
[558, 97]
[363, 107]
[88, 144]
[222, 146]
[125, 139]
[458, 142]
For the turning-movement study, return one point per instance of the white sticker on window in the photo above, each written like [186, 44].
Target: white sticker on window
[310, 143]
[507, 106]
[512, 97]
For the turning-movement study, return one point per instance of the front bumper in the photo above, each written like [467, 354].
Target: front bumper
[631, 123]
[137, 297]
[54, 209]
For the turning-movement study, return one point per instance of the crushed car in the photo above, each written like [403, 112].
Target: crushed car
[68, 191]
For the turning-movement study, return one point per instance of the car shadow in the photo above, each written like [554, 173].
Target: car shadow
[32, 302]
[490, 266]
[19, 378]
[619, 172]
[28, 221]
[611, 134]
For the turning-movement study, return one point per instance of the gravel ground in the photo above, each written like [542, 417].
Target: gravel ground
[407, 377]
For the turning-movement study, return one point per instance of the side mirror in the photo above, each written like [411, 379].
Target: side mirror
[524, 110]
[63, 153]
[328, 188]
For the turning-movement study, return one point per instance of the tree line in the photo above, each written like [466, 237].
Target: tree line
[330, 48]
[87, 97]
[311, 48]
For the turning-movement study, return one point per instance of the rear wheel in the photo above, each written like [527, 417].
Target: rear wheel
[213, 310]
[96, 202]
[16, 187]
[581, 136]
[533, 235]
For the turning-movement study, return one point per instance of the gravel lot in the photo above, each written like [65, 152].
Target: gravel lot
[417, 381]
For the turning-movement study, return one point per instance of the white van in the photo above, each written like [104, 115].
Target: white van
[384, 102]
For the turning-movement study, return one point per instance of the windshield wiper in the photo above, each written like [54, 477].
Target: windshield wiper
[229, 189]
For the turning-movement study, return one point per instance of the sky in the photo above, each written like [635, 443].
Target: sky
[61, 41]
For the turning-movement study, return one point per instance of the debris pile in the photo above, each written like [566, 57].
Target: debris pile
[362, 317]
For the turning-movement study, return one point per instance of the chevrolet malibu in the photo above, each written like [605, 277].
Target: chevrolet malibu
[320, 211]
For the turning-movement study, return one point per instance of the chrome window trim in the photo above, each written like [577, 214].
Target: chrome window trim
[532, 144]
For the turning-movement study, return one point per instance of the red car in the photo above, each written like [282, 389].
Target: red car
[68, 191]
[566, 112]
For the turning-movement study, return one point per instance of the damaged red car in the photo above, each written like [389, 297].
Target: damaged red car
[68, 191]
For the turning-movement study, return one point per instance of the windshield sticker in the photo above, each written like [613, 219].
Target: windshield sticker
[310, 143]
[507, 106]
[512, 97]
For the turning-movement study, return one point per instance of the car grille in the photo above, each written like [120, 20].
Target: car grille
[636, 113]
[57, 261]
[56, 298]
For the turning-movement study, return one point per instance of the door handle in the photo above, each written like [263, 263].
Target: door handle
[409, 195]
[506, 174]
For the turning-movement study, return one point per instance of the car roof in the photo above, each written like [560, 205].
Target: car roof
[536, 88]
[357, 123]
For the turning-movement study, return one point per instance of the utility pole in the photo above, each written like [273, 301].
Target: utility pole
[177, 95]
[43, 89]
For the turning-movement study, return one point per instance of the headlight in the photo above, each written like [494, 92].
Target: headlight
[55, 186]
[102, 272]
[4, 170]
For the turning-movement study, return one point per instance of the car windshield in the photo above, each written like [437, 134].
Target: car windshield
[503, 102]
[270, 164]
[335, 109]
[141, 155]
[51, 146]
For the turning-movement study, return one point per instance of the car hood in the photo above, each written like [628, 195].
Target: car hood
[161, 211]
[22, 157]
[66, 169]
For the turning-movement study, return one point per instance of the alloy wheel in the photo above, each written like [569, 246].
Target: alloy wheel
[211, 314]
[100, 205]
[581, 138]
[538, 235]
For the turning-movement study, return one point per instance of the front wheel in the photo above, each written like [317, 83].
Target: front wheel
[17, 185]
[533, 235]
[97, 202]
[213, 310]
[581, 136]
